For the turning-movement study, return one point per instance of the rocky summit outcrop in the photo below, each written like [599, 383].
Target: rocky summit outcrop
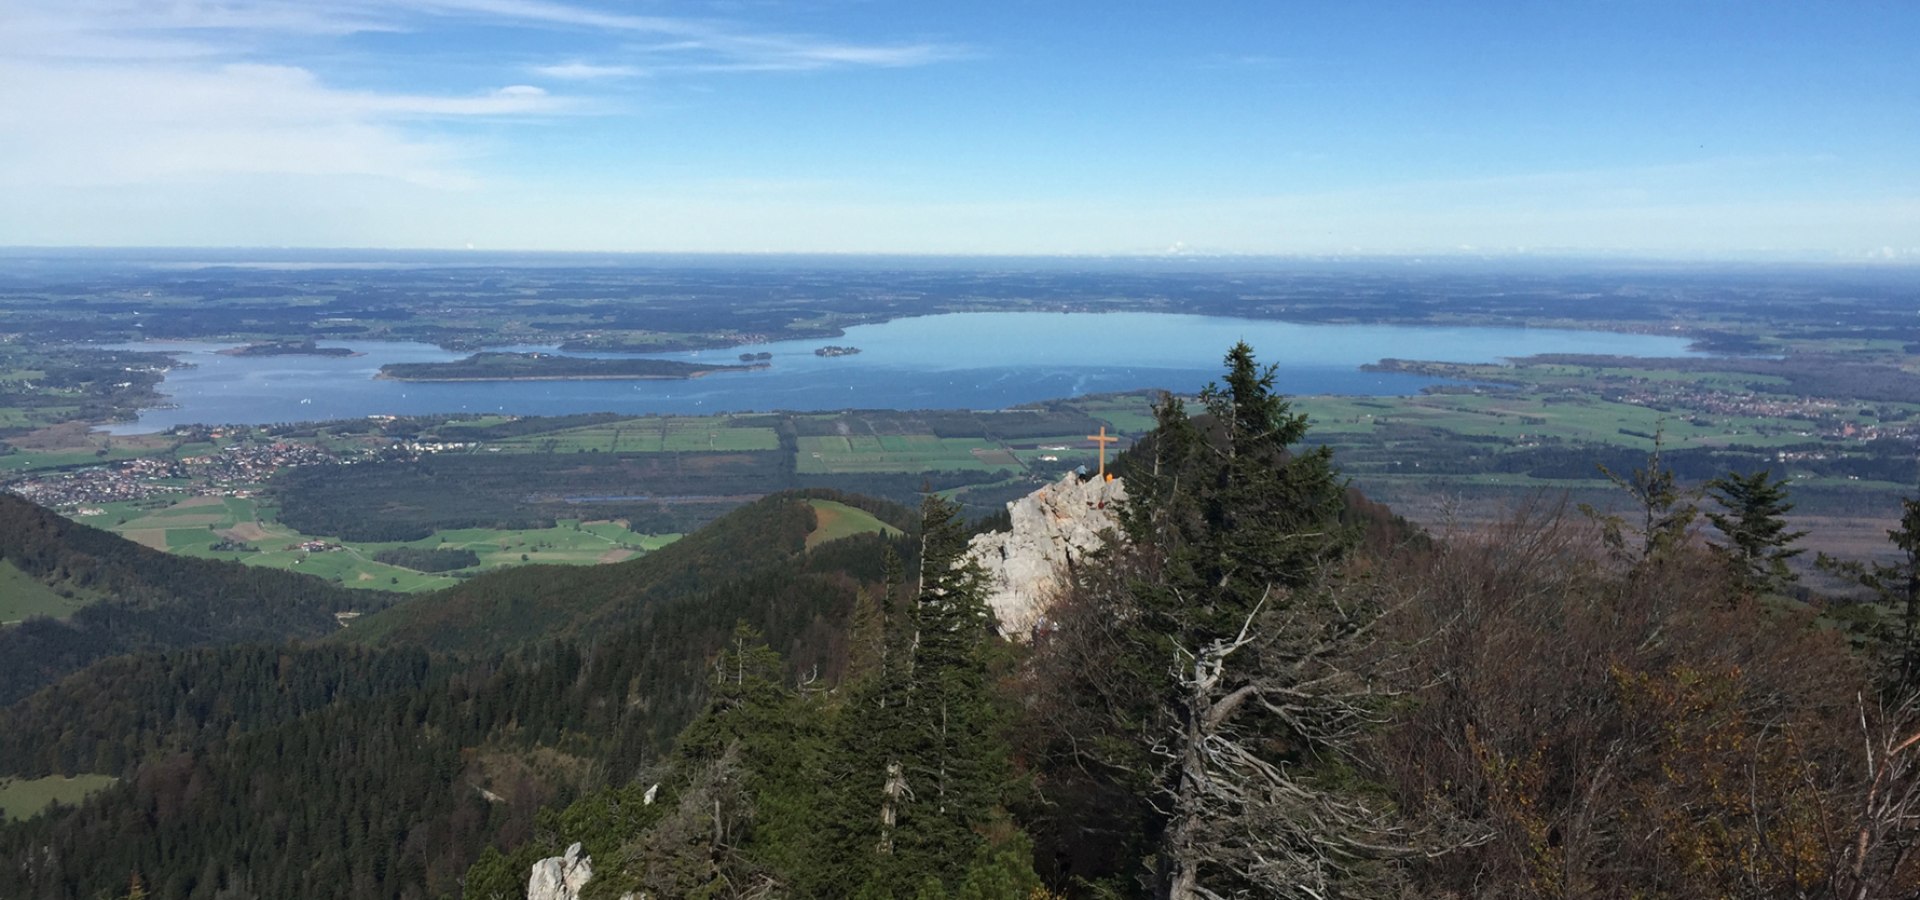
[1054, 529]
[560, 877]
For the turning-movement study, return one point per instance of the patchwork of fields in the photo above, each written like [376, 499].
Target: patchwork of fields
[662, 434]
[900, 453]
[602, 487]
[245, 530]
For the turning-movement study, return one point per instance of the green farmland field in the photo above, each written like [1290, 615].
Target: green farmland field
[837, 455]
[243, 530]
[647, 435]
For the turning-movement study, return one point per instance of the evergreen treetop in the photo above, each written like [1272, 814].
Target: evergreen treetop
[1754, 522]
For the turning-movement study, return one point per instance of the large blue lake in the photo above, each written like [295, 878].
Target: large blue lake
[953, 361]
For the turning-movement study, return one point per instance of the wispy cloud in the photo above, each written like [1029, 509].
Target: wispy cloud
[580, 71]
[141, 29]
[1244, 61]
[116, 92]
[132, 123]
[132, 29]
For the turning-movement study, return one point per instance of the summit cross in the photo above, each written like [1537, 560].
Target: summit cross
[1103, 441]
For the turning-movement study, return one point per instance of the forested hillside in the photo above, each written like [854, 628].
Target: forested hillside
[1266, 687]
[143, 599]
[341, 772]
[664, 491]
[510, 608]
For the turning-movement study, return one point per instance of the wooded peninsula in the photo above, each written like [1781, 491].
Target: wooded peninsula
[549, 367]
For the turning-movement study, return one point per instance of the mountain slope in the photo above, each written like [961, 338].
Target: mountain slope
[148, 600]
[394, 786]
[519, 606]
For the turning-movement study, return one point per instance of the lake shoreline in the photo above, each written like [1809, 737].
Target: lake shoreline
[945, 361]
[486, 378]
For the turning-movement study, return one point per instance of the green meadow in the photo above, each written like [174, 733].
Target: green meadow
[23, 597]
[22, 798]
[843, 454]
[836, 520]
[652, 434]
[244, 530]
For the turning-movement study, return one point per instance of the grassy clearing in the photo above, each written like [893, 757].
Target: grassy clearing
[22, 461]
[837, 520]
[1520, 418]
[244, 530]
[22, 798]
[1128, 414]
[834, 455]
[23, 597]
[569, 542]
[14, 417]
[647, 435]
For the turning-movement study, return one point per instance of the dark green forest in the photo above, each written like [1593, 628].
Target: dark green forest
[1266, 686]
[317, 770]
[656, 492]
[509, 366]
[146, 600]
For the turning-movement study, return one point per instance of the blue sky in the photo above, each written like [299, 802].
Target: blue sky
[1679, 128]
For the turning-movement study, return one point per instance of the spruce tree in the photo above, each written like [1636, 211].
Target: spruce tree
[1897, 585]
[1666, 510]
[1208, 656]
[1235, 507]
[921, 765]
[1754, 522]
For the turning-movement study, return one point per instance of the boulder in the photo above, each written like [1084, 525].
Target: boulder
[560, 877]
[1054, 529]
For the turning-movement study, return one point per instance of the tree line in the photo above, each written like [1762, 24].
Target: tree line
[1267, 688]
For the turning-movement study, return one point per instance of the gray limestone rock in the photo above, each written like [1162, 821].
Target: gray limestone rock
[1054, 528]
[560, 877]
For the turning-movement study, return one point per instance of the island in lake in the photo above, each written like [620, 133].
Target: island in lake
[762, 356]
[831, 350]
[496, 366]
[288, 348]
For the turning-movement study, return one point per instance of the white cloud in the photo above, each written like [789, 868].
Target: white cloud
[580, 71]
[124, 91]
[132, 29]
[135, 122]
[143, 29]
[265, 121]
[113, 91]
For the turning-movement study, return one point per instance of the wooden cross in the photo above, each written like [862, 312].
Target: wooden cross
[1103, 441]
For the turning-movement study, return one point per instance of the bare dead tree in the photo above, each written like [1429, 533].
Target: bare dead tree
[1256, 708]
[1887, 822]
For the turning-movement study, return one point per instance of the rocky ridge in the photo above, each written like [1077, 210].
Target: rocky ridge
[1054, 529]
[560, 877]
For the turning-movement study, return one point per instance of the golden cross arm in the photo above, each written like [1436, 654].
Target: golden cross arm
[1103, 441]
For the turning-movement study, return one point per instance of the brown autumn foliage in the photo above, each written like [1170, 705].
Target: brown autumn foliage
[1553, 723]
[1625, 732]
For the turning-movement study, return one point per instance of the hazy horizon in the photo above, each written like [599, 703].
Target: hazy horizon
[271, 257]
[1699, 131]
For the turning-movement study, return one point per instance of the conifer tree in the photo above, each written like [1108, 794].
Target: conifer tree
[1897, 585]
[921, 768]
[736, 807]
[1235, 507]
[1753, 521]
[1667, 512]
[1210, 659]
